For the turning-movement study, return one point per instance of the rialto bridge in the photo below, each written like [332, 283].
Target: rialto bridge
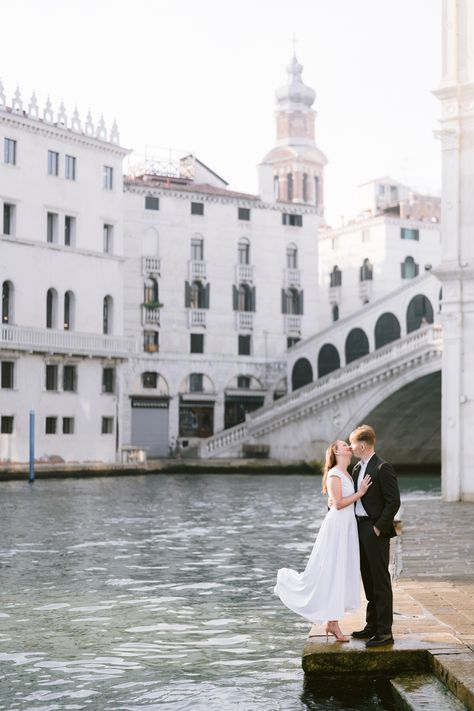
[380, 365]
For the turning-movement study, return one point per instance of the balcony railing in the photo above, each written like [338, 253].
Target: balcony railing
[244, 320]
[243, 272]
[197, 317]
[197, 269]
[334, 294]
[150, 315]
[47, 340]
[292, 323]
[292, 278]
[151, 265]
[365, 291]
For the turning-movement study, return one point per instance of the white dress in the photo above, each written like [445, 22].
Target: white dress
[330, 583]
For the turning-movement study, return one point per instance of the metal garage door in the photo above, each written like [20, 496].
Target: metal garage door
[150, 424]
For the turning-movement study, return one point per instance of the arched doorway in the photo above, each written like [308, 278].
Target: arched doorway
[302, 374]
[328, 360]
[419, 312]
[387, 329]
[357, 345]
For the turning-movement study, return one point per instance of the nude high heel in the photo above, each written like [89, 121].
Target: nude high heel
[339, 637]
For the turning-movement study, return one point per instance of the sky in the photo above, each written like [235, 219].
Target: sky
[201, 77]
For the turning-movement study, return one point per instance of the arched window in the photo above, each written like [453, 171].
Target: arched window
[302, 374]
[150, 292]
[51, 308]
[357, 345]
[69, 308]
[409, 268]
[335, 312]
[276, 187]
[419, 312]
[387, 329]
[197, 248]
[107, 315]
[244, 302]
[335, 277]
[7, 302]
[328, 360]
[292, 301]
[289, 186]
[366, 271]
[244, 251]
[197, 295]
[292, 256]
[316, 190]
[305, 187]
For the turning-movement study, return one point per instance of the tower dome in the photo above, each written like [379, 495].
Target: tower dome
[295, 91]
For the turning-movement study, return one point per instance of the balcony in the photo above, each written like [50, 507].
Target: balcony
[151, 265]
[244, 320]
[334, 294]
[150, 315]
[292, 324]
[47, 340]
[243, 273]
[292, 278]
[197, 269]
[197, 317]
[365, 291]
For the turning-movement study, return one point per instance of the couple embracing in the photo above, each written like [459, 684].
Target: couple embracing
[354, 540]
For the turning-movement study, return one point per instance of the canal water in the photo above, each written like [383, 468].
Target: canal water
[155, 592]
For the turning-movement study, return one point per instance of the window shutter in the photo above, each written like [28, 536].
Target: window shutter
[207, 296]
[235, 297]
[187, 294]
[253, 299]
[283, 302]
[300, 303]
[402, 267]
[417, 267]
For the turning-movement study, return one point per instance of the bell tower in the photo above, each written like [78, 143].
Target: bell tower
[293, 171]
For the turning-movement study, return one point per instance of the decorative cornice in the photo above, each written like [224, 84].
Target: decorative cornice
[332, 233]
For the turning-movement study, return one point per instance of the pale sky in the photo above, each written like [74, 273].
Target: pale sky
[201, 76]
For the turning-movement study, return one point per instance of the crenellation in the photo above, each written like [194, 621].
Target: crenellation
[62, 118]
[17, 103]
[33, 108]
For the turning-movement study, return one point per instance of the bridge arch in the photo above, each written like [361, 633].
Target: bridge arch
[328, 359]
[387, 329]
[302, 373]
[357, 345]
[419, 311]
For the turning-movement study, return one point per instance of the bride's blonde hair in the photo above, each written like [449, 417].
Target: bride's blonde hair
[329, 463]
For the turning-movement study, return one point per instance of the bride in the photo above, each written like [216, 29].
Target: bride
[330, 583]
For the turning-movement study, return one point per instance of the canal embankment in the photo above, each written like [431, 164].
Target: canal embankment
[433, 569]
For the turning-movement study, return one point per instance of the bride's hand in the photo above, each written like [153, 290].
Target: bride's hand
[364, 485]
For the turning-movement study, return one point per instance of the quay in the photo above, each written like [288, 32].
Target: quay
[433, 571]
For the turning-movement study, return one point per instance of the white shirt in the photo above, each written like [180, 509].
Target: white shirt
[359, 509]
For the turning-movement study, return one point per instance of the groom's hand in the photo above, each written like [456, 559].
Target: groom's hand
[376, 531]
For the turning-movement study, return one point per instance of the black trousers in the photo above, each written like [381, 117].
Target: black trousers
[374, 560]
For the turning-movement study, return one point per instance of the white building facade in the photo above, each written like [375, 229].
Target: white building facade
[61, 273]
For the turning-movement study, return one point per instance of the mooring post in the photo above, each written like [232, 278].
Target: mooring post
[31, 476]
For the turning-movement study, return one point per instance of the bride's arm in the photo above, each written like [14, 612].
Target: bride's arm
[335, 492]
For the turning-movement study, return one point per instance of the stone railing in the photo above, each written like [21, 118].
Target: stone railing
[292, 323]
[150, 315]
[151, 265]
[47, 340]
[383, 363]
[244, 320]
[292, 278]
[197, 269]
[196, 317]
[243, 272]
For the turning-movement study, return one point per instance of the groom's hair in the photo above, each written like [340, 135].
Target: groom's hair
[364, 433]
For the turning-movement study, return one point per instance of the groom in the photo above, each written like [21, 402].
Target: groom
[375, 512]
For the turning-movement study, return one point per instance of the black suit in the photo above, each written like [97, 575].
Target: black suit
[381, 502]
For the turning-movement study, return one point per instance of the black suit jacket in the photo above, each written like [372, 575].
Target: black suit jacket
[382, 499]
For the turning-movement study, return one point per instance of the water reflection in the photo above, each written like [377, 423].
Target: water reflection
[154, 592]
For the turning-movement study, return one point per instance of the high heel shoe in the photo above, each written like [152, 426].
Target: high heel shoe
[339, 636]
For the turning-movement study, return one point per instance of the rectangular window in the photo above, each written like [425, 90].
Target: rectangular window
[6, 424]
[409, 233]
[7, 374]
[107, 425]
[197, 208]
[197, 249]
[53, 163]
[52, 227]
[69, 230]
[9, 151]
[150, 379]
[244, 345]
[70, 168]
[68, 425]
[8, 218]
[150, 341]
[292, 220]
[70, 378]
[196, 383]
[108, 178]
[50, 425]
[244, 213]
[51, 377]
[292, 341]
[108, 239]
[197, 343]
[152, 203]
[108, 380]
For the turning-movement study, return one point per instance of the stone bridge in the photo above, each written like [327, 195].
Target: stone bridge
[395, 386]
